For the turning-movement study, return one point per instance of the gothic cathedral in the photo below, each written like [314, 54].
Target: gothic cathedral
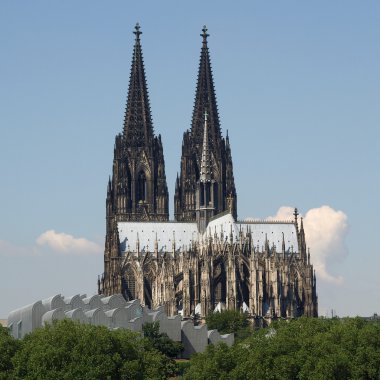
[206, 259]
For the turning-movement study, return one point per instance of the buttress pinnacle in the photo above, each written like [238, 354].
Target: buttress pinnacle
[206, 167]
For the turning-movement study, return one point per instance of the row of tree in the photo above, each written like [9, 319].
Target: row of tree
[69, 350]
[305, 348]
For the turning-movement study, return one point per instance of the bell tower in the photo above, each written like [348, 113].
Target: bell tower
[185, 198]
[137, 190]
[138, 185]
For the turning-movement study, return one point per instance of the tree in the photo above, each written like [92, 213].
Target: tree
[161, 341]
[166, 346]
[8, 348]
[217, 362]
[70, 350]
[228, 321]
[305, 348]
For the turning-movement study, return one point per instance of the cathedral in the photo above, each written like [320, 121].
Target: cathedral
[206, 259]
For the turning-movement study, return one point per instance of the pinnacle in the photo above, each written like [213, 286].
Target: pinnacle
[206, 167]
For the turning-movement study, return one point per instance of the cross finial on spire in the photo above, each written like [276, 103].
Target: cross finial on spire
[137, 31]
[204, 34]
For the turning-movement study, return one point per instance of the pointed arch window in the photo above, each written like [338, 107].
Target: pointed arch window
[141, 187]
[215, 195]
[202, 195]
[129, 187]
[130, 280]
[208, 193]
[220, 283]
[148, 284]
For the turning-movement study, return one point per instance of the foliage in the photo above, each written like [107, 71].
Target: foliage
[216, 362]
[306, 348]
[161, 341]
[69, 350]
[228, 321]
[182, 366]
[8, 348]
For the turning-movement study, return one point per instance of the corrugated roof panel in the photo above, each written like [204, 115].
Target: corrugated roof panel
[183, 233]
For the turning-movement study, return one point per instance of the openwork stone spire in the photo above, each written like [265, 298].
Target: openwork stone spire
[206, 165]
[138, 127]
[205, 99]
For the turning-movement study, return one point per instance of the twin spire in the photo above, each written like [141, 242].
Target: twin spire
[203, 145]
[138, 125]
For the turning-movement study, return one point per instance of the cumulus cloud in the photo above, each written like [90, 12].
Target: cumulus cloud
[51, 242]
[65, 243]
[283, 213]
[325, 230]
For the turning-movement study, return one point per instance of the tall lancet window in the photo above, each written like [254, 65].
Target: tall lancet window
[208, 193]
[216, 206]
[202, 195]
[130, 284]
[141, 187]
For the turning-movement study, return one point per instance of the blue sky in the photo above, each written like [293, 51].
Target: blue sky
[298, 89]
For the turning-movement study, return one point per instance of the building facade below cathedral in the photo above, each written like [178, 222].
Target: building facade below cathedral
[206, 259]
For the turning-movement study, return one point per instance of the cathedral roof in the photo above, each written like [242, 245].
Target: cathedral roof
[167, 233]
[183, 234]
[262, 232]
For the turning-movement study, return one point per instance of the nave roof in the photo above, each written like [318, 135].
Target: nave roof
[183, 234]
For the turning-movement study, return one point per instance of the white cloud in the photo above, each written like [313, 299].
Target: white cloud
[283, 213]
[51, 242]
[325, 230]
[65, 243]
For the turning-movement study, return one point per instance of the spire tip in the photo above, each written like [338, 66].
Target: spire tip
[137, 31]
[204, 34]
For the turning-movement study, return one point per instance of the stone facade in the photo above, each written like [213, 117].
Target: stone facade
[206, 259]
